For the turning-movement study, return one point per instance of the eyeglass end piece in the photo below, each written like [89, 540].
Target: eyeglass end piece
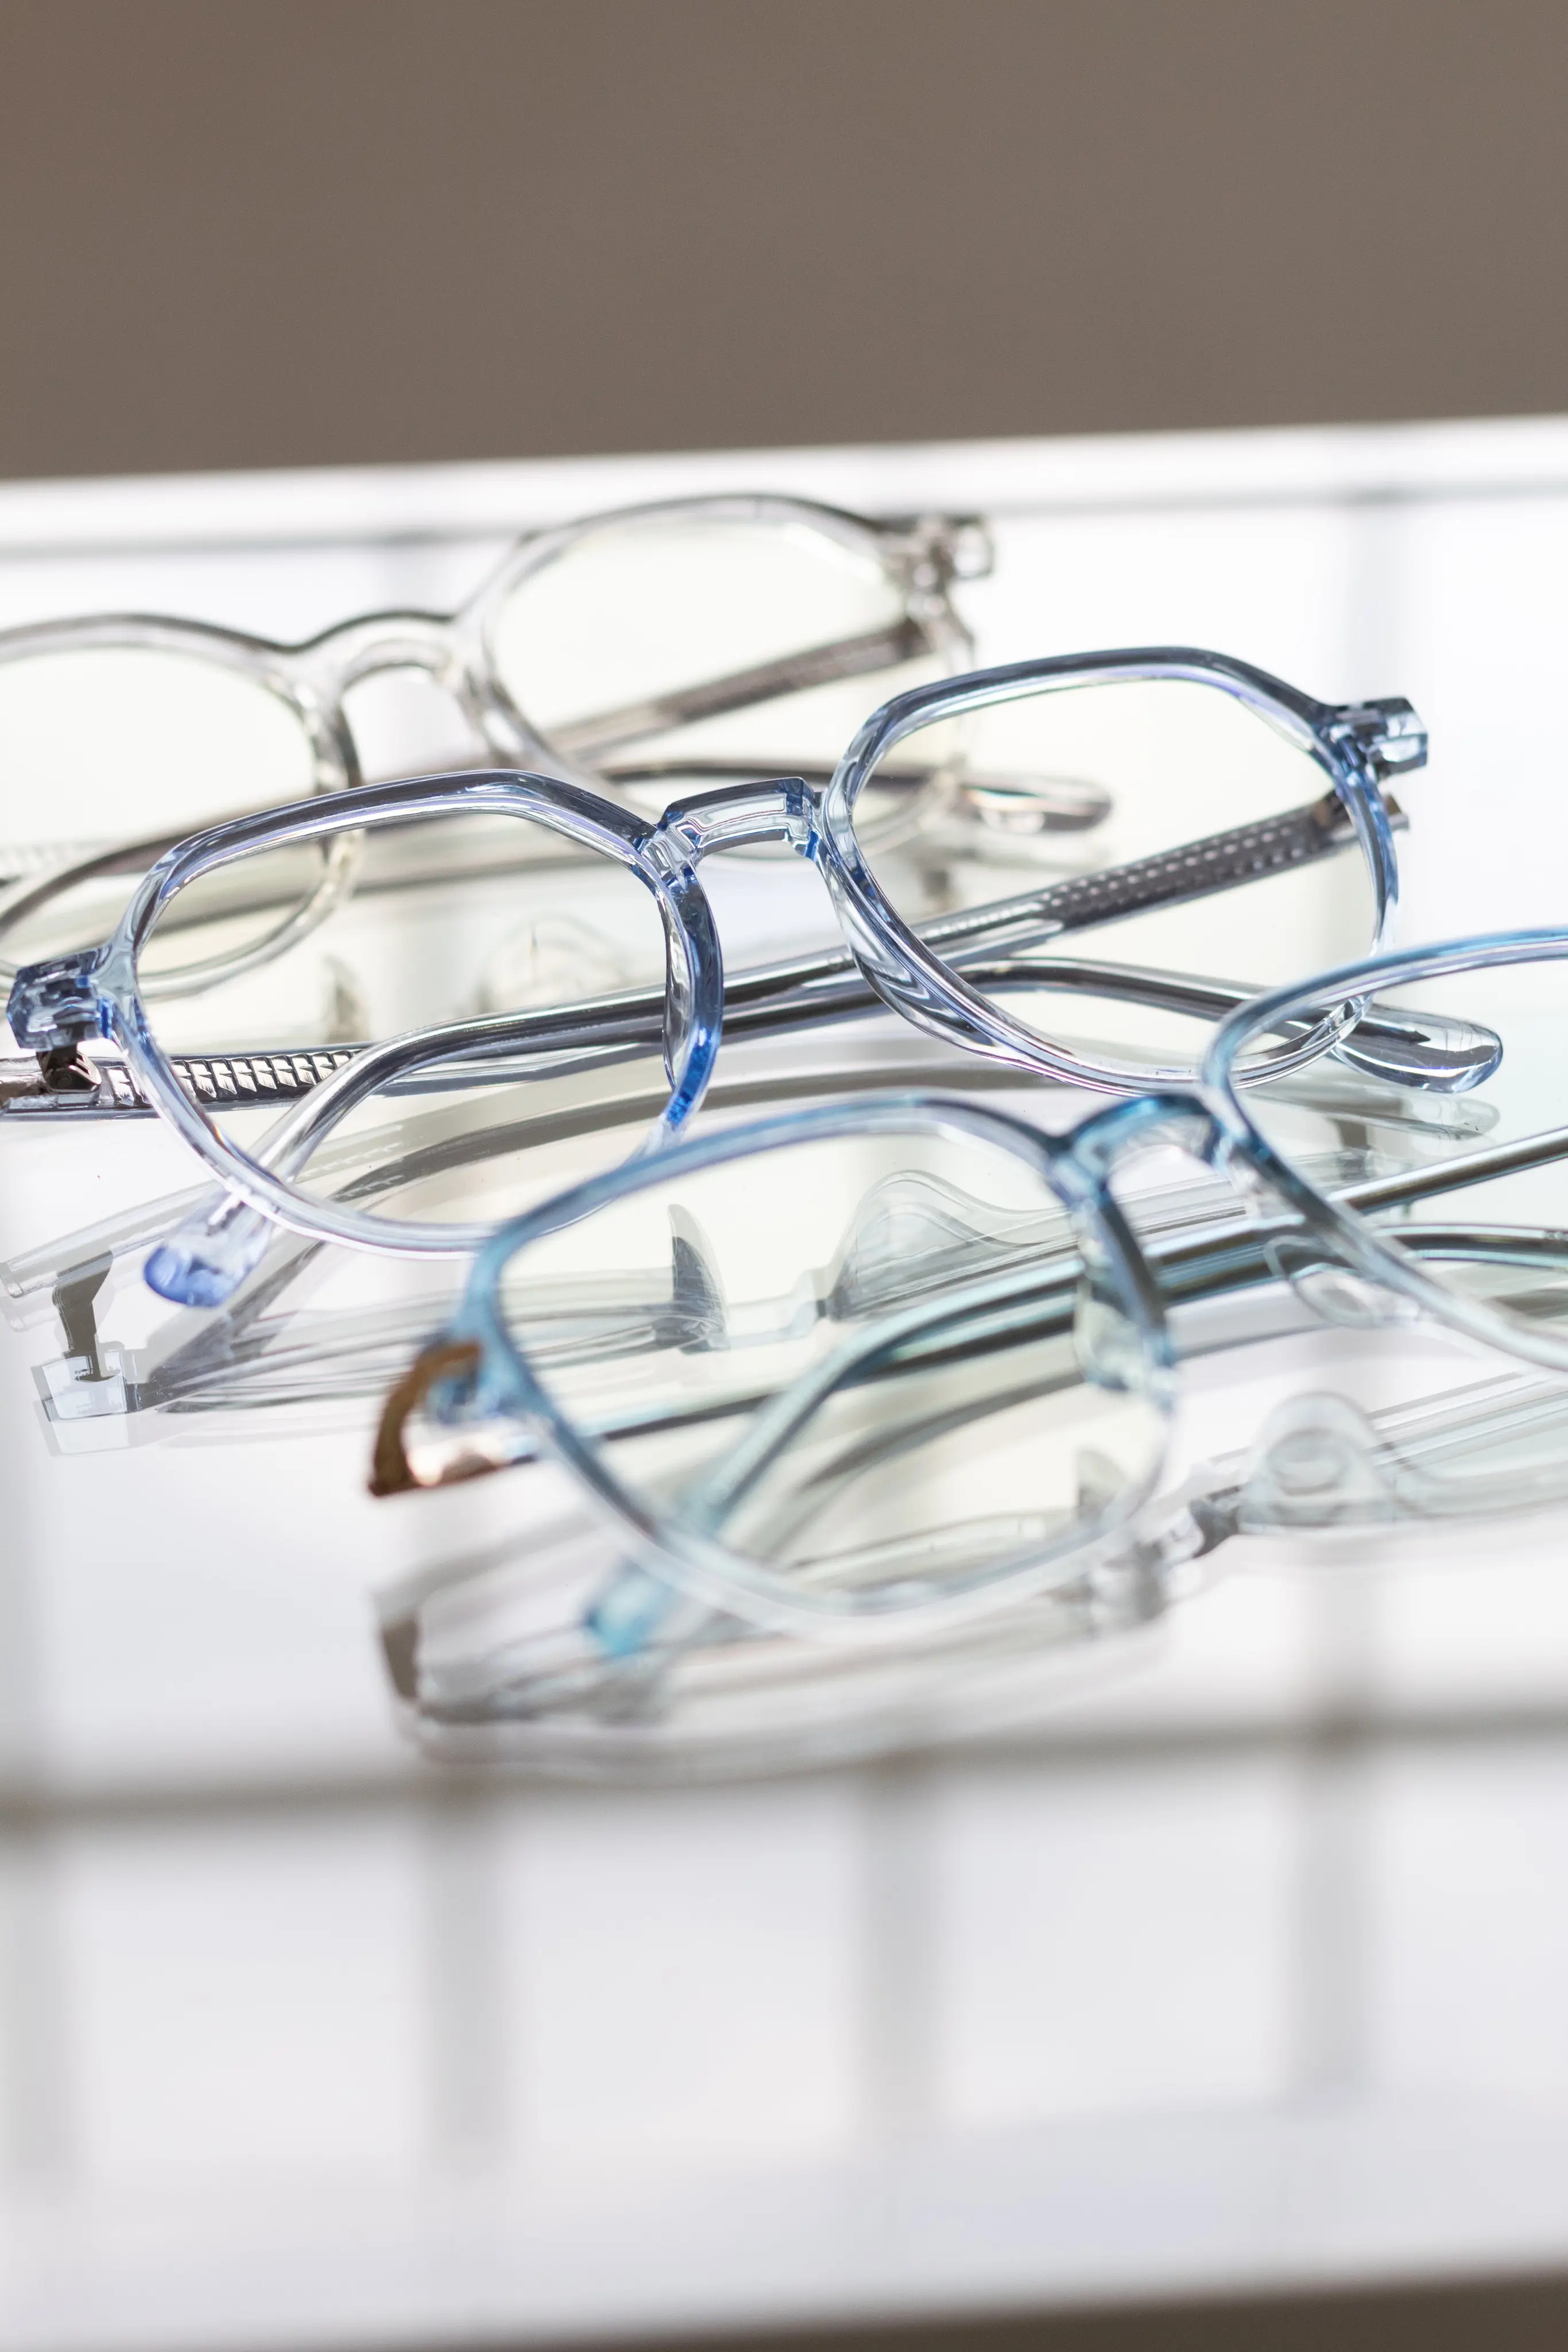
[1391, 734]
[54, 1006]
[392, 1471]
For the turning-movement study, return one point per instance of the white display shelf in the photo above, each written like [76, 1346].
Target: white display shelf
[1243, 1970]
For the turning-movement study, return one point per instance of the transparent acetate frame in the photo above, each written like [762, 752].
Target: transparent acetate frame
[498, 1654]
[1500, 1439]
[276, 1343]
[489, 1657]
[1390, 1259]
[477, 1371]
[917, 558]
[925, 974]
[272, 1345]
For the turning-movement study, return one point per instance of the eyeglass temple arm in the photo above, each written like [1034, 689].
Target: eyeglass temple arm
[1386, 1046]
[940, 548]
[591, 738]
[1319, 1462]
[1007, 805]
[1229, 1256]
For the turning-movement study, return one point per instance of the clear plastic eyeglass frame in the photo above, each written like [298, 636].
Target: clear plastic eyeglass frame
[268, 1348]
[475, 1675]
[919, 558]
[271, 1346]
[478, 1371]
[474, 1680]
[56, 1006]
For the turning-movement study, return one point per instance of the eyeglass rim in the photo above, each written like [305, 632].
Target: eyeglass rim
[672, 878]
[1078, 1163]
[1321, 730]
[706, 1566]
[688, 932]
[1355, 1238]
[310, 676]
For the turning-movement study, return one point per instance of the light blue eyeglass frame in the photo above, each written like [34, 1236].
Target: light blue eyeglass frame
[478, 1369]
[57, 1005]
[1389, 1262]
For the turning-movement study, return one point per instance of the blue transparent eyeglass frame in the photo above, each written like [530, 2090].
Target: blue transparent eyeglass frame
[56, 1005]
[1398, 1282]
[476, 1368]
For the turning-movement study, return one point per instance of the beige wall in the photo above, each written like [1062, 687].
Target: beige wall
[258, 232]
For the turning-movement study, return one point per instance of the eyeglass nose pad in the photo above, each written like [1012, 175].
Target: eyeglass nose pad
[629, 1609]
[209, 1253]
[1317, 1463]
[392, 1472]
[1333, 1292]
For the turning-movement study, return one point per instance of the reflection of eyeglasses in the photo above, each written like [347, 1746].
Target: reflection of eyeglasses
[501, 1653]
[494, 1656]
[704, 635]
[287, 1338]
[274, 1343]
[1003, 1433]
[1180, 733]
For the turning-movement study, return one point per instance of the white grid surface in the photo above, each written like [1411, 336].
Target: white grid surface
[1246, 1968]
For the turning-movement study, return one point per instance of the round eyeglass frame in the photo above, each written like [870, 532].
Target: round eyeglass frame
[97, 991]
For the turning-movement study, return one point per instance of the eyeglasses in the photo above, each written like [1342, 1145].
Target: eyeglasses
[485, 929]
[301, 1331]
[492, 1656]
[1001, 1430]
[693, 640]
[500, 1655]
[302, 1334]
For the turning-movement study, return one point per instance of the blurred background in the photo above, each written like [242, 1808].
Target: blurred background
[1224, 2003]
[319, 232]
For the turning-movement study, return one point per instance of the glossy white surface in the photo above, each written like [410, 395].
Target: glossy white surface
[1245, 1966]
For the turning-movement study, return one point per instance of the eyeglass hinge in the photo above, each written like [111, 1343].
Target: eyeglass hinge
[65, 1071]
[940, 548]
[1389, 734]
